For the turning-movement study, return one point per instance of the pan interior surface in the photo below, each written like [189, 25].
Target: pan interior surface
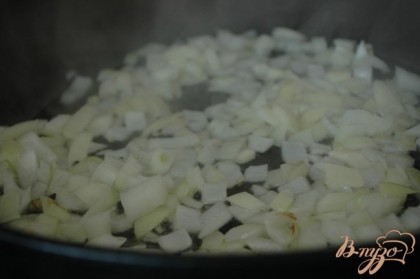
[46, 41]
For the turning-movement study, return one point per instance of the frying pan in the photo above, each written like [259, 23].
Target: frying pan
[42, 40]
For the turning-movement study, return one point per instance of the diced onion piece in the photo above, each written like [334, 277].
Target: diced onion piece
[359, 122]
[213, 60]
[55, 125]
[144, 198]
[9, 206]
[407, 80]
[70, 201]
[185, 159]
[196, 120]
[117, 133]
[94, 192]
[148, 222]
[349, 134]
[259, 144]
[97, 224]
[34, 142]
[334, 229]
[79, 121]
[264, 45]
[187, 218]
[281, 227]
[256, 173]
[351, 158]
[213, 242]
[107, 241]
[129, 169]
[19, 129]
[212, 193]
[282, 202]
[258, 190]
[214, 218]
[190, 140]
[311, 236]
[341, 177]
[263, 245]
[79, 148]
[283, 33]
[107, 171]
[389, 222]
[414, 176]
[135, 121]
[195, 178]
[232, 173]
[362, 67]
[386, 98]
[366, 232]
[304, 204]
[244, 232]
[246, 215]
[333, 202]
[9, 152]
[176, 241]
[73, 232]
[411, 218]
[392, 189]
[245, 156]
[293, 152]
[44, 225]
[379, 205]
[230, 149]
[100, 125]
[161, 161]
[51, 208]
[120, 223]
[246, 201]
[27, 168]
[268, 197]
[297, 186]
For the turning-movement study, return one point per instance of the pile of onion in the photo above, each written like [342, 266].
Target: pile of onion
[307, 144]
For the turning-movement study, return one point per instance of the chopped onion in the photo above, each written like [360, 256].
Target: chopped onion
[293, 152]
[9, 206]
[305, 145]
[259, 144]
[256, 173]
[161, 161]
[212, 193]
[280, 227]
[282, 201]
[107, 240]
[246, 200]
[407, 80]
[79, 121]
[135, 121]
[187, 218]
[144, 198]
[148, 222]
[176, 241]
[214, 218]
[244, 232]
[79, 148]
